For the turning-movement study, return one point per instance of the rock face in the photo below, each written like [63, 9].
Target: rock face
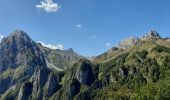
[39, 79]
[20, 55]
[44, 83]
[18, 49]
[85, 73]
[25, 91]
[62, 59]
[78, 78]
[74, 88]
[152, 35]
[51, 86]
[127, 43]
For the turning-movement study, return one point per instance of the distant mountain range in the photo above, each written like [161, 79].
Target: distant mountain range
[136, 69]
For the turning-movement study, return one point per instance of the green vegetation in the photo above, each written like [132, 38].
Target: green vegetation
[19, 72]
[161, 49]
[140, 74]
[153, 91]
[8, 73]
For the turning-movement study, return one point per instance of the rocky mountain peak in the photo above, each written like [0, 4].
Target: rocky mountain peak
[72, 52]
[20, 34]
[18, 37]
[127, 43]
[19, 49]
[151, 35]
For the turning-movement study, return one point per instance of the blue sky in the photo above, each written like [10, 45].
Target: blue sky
[85, 25]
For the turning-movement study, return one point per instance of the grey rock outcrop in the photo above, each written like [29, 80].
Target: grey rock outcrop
[51, 86]
[85, 73]
[45, 83]
[39, 79]
[152, 35]
[18, 49]
[74, 88]
[61, 59]
[25, 91]
[127, 43]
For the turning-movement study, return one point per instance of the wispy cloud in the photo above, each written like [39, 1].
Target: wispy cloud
[108, 45]
[51, 46]
[48, 6]
[1, 36]
[92, 37]
[79, 26]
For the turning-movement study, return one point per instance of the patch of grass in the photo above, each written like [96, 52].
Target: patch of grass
[19, 71]
[8, 73]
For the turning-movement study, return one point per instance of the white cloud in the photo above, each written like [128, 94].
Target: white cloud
[51, 46]
[79, 26]
[93, 37]
[108, 45]
[48, 6]
[1, 36]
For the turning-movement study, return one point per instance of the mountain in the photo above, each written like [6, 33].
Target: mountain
[20, 56]
[27, 70]
[138, 72]
[136, 69]
[126, 44]
[60, 59]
